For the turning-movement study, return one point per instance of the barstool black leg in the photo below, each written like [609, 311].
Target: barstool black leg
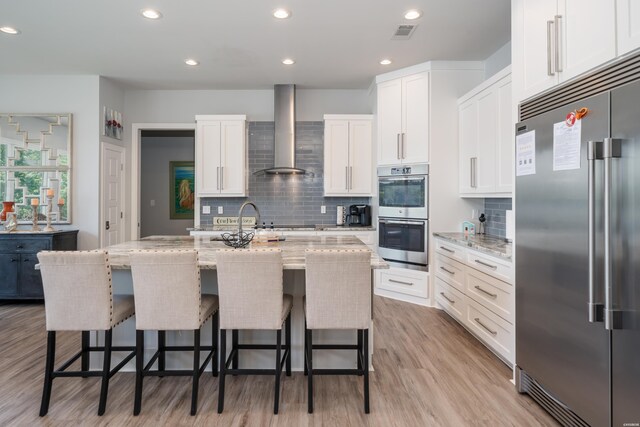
[162, 340]
[196, 371]
[137, 405]
[365, 350]
[48, 372]
[287, 341]
[106, 367]
[234, 346]
[309, 351]
[223, 368]
[278, 370]
[359, 349]
[214, 342]
[305, 346]
[86, 354]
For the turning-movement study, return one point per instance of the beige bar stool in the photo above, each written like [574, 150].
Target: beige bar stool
[78, 296]
[338, 296]
[251, 297]
[166, 286]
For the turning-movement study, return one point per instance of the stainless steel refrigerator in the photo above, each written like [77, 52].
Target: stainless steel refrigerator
[577, 249]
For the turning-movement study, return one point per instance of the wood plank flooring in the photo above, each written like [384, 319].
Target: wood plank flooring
[429, 371]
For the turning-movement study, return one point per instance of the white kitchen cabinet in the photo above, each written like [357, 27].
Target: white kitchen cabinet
[555, 40]
[403, 120]
[348, 169]
[220, 164]
[486, 139]
[628, 22]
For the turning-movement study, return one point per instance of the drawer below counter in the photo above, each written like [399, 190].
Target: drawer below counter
[451, 300]
[495, 332]
[404, 281]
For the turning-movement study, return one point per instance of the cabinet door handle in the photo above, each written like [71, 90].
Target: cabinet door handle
[492, 332]
[403, 147]
[19, 247]
[448, 271]
[398, 146]
[218, 176]
[25, 260]
[346, 177]
[493, 267]
[473, 173]
[221, 178]
[447, 298]
[350, 177]
[14, 260]
[486, 292]
[557, 20]
[444, 248]
[401, 282]
[549, 54]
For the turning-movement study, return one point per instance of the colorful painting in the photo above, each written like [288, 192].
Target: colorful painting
[182, 196]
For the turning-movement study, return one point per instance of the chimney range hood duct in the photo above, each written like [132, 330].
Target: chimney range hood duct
[285, 127]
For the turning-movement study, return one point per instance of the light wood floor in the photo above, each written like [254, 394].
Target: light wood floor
[429, 371]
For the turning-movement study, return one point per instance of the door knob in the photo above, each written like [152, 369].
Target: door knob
[106, 227]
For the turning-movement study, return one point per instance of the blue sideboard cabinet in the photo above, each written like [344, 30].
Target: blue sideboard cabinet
[19, 280]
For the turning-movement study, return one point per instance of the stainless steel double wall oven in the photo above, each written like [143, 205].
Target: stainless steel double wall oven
[403, 216]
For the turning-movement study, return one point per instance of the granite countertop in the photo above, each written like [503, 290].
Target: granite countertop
[317, 227]
[292, 249]
[490, 245]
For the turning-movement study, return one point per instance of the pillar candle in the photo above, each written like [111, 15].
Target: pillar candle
[50, 192]
[35, 201]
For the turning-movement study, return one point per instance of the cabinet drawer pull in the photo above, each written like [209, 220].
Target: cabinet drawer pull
[493, 267]
[401, 282]
[447, 298]
[14, 260]
[19, 247]
[26, 260]
[486, 292]
[447, 249]
[448, 271]
[477, 319]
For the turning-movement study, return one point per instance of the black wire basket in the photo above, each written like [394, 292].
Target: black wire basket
[237, 240]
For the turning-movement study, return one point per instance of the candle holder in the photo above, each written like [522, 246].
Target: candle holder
[49, 228]
[35, 218]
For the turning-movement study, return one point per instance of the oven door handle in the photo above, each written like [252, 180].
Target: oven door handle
[402, 178]
[384, 221]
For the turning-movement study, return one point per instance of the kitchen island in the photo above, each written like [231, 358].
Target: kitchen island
[294, 283]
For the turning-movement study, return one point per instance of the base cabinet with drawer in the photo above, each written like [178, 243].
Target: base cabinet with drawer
[477, 290]
[403, 284]
[18, 258]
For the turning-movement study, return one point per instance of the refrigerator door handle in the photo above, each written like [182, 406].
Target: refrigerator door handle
[596, 307]
[612, 316]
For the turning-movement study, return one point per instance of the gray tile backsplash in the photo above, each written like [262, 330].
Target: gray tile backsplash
[285, 199]
[495, 211]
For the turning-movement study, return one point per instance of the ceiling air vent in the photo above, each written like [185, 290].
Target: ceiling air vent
[404, 32]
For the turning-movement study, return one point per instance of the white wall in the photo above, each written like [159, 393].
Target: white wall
[497, 61]
[77, 95]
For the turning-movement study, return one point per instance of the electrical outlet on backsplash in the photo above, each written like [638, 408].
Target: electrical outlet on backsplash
[285, 199]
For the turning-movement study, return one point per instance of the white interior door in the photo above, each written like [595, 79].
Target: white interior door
[112, 194]
[336, 157]
[360, 158]
[389, 122]
[415, 116]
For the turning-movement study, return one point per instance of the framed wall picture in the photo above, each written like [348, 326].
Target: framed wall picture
[181, 189]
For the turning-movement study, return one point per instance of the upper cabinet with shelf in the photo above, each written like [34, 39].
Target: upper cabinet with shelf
[486, 139]
[221, 156]
[348, 169]
[403, 120]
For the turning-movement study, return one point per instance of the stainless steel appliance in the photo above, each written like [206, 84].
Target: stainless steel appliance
[577, 254]
[359, 215]
[404, 242]
[404, 191]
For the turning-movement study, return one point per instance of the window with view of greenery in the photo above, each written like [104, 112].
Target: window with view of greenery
[34, 158]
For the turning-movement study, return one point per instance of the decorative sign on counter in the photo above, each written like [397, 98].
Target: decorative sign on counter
[233, 220]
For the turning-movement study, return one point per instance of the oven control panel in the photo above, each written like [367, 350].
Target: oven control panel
[406, 170]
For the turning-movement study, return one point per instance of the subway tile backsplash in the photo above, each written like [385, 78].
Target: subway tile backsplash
[495, 211]
[284, 199]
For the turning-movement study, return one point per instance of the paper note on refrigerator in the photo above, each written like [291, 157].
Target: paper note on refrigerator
[566, 146]
[526, 154]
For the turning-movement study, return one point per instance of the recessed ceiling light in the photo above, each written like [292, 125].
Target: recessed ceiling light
[10, 30]
[385, 62]
[281, 13]
[288, 61]
[412, 14]
[191, 62]
[151, 14]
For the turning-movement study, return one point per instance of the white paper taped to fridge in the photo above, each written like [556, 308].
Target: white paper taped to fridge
[566, 146]
[526, 154]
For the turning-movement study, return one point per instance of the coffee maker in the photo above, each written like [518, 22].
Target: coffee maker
[359, 215]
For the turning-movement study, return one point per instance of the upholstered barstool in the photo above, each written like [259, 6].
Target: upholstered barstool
[338, 296]
[166, 286]
[78, 296]
[251, 297]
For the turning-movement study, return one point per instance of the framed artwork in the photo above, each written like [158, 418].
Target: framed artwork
[112, 123]
[181, 189]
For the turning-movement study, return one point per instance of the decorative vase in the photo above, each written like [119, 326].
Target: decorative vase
[6, 208]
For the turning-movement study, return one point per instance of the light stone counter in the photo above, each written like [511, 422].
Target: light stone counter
[490, 245]
[292, 249]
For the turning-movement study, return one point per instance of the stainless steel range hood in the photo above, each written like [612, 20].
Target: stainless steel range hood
[285, 135]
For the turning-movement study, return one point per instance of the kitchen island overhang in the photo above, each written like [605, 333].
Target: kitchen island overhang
[293, 255]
